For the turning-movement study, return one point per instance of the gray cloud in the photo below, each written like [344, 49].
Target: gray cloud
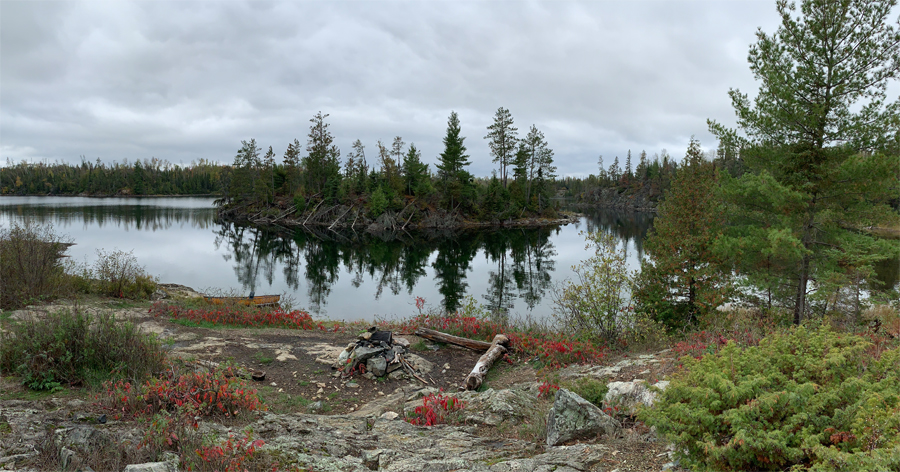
[188, 80]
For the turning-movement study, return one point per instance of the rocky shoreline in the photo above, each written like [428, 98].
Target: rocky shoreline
[343, 217]
[642, 200]
[358, 425]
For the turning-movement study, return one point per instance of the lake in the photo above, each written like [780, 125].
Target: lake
[338, 276]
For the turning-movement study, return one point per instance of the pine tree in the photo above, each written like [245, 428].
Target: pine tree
[397, 150]
[614, 171]
[266, 183]
[503, 141]
[322, 167]
[816, 164]
[292, 166]
[536, 155]
[602, 175]
[245, 167]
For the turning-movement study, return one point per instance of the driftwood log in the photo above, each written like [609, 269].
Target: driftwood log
[472, 344]
[476, 377]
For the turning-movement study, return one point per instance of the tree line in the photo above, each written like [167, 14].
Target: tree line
[147, 177]
[395, 176]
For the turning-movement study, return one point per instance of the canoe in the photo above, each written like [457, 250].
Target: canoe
[259, 300]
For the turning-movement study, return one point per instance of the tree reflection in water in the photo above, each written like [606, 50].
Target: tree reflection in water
[396, 262]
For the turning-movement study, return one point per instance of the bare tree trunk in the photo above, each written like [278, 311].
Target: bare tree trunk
[472, 344]
[476, 377]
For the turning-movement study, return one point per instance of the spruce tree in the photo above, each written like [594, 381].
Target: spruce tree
[452, 163]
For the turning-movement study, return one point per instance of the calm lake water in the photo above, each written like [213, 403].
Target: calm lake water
[337, 276]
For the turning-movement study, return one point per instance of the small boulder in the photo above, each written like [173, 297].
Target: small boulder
[362, 354]
[573, 417]
[150, 467]
[629, 396]
[377, 366]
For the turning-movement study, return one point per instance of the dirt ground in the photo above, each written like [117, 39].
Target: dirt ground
[299, 374]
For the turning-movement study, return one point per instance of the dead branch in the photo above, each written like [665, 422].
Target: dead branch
[472, 344]
[339, 218]
[313, 212]
[476, 377]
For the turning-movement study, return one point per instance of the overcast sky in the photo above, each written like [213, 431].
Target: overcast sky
[185, 80]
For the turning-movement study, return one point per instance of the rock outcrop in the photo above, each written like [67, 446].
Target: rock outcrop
[573, 417]
[629, 396]
[642, 199]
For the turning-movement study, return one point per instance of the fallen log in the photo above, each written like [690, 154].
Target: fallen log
[476, 377]
[472, 344]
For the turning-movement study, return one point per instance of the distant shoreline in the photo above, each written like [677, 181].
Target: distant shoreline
[180, 195]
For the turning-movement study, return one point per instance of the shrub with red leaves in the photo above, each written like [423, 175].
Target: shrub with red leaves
[239, 316]
[435, 409]
[216, 393]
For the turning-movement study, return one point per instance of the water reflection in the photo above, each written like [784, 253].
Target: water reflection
[355, 275]
[521, 262]
[128, 214]
[630, 227]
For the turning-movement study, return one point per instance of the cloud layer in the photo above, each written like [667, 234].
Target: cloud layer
[183, 81]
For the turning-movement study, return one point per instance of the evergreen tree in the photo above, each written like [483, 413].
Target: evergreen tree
[628, 174]
[641, 172]
[357, 168]
[452, 163]
[682, 277]
[246, 164]
[389, 169]
[322, 166]
[816, 172]
[545, 174]
[266, 183]
[397, 150]
[536, 153]
[503, 140]
[292, 166]
[415, 173]
[138, 178]
[614, 171]
[602, 175]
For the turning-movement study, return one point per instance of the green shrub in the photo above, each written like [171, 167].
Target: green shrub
[378, 203]
[809, 398]
[596, 303]
[30, 268]
[119, 275]
[71, 347]
[590, 389]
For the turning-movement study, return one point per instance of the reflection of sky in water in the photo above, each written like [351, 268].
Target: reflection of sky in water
[175, 239]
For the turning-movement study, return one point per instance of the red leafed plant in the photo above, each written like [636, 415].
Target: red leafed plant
[229, 456]
[435, 409]
[546, 389]
[218, 392]
[171, 407]
[240, 316]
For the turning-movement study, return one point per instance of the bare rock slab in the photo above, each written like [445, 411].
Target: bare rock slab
[630, 396]
[573, 417]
